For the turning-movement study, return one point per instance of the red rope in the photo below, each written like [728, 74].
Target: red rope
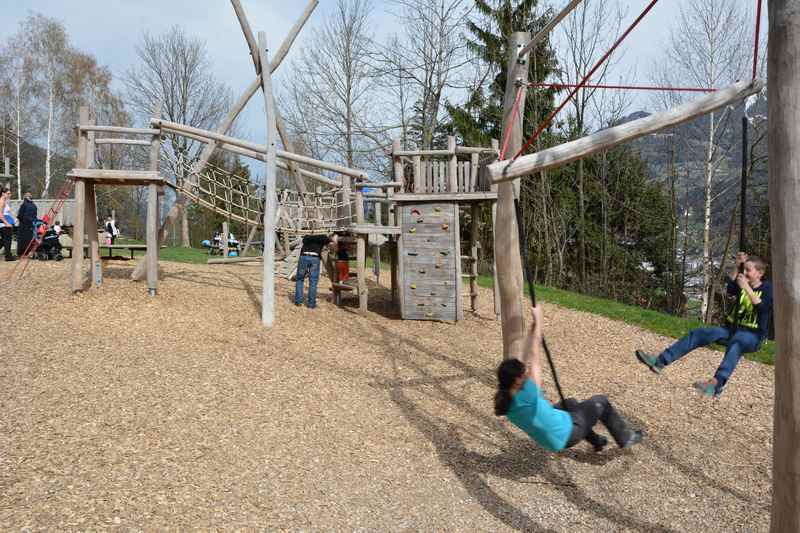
[626, 87]
[758, 32]
[510, 125]
[550, 118]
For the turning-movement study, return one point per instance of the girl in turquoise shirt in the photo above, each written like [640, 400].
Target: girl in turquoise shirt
[519, 397]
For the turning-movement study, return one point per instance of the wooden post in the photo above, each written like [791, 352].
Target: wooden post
[457, 258]
[95, 263]
[359, 205]
[361, 259]
[152, 214]
[376, 250]
[509, 266]
[452, 165]
[418, 178]
[473, 172]
[78, 228]
[473, 253]
[784, 190]
[224, 240]
[268, 293]
[495, 284]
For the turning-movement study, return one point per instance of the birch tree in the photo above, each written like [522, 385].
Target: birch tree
[15, 101]
[331, 97]
[434, 50]
[49, 48]
[706, 49]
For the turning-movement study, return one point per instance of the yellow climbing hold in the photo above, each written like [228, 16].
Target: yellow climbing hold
[412, 230]
[413, 285]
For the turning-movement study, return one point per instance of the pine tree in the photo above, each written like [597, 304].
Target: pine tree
[479, 119]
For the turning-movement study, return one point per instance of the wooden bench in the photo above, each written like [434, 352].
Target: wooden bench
[111, 247]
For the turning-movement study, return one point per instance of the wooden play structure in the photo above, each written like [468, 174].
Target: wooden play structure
[433, 191]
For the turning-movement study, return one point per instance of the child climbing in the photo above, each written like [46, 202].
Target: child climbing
[519, 397]
[744, 330]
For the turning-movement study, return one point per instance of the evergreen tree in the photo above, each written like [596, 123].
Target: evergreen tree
[479, 119]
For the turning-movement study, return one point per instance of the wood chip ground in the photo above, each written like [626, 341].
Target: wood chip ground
[125, 412]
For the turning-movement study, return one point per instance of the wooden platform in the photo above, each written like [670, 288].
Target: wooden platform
[100, 176]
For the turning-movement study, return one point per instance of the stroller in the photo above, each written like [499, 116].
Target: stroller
[50, 246]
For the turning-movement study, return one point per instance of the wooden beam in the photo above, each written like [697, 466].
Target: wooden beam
[101, 174]
[605, 139]
[783, 99]
[544, 32]
[118, 129]
[270, 207]
[506, 240]
[226, 260]
[132, 142]
[259, 148]
[447, 197]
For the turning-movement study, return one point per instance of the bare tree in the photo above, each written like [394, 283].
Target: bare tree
[587, 33]
[47, 42]
[430, 57]
[331, 94]
[705, 49]
[174, 73]
[15, 99]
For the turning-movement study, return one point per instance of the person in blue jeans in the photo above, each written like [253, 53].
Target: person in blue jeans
[309, 262]
[745, 327]
[520, 399]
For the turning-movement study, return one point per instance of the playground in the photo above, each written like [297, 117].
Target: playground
[182, 411]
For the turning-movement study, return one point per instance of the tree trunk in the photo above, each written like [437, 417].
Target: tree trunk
[51, 104]
[185, 240]
[784, 190]
[581, 230]
[707, 267]
[19, 150]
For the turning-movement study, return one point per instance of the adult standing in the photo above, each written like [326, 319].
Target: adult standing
[26, 215]
[7, 222]
[308, 264]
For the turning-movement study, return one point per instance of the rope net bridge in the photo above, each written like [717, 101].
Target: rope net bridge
[237, 198]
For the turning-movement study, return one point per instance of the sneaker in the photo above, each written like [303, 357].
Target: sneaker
[650, 361]
[635, 438]
[11, 258]
[600, 443]
[707, 388]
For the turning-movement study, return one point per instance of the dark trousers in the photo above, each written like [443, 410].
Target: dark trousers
[24, 237]
[5, 239]
[587, 413]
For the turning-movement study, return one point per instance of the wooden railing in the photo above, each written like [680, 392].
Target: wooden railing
[458, 169]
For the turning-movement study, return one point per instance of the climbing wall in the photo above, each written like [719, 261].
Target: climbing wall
[430, 266]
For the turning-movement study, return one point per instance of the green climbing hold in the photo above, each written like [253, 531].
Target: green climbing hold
[444, 252]
[412, 230]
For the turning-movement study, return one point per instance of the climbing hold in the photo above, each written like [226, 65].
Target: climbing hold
[413, 285]
[415, 211]
[433, 294]
[420, 221]
[437, 209]
[428, 315]
[412, 230]
[422, 271]
[413, 254]
[445, 226]
[444, 252]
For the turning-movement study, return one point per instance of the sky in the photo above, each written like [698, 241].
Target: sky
[111, 29]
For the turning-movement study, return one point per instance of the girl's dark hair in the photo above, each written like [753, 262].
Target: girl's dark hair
[507, 373]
